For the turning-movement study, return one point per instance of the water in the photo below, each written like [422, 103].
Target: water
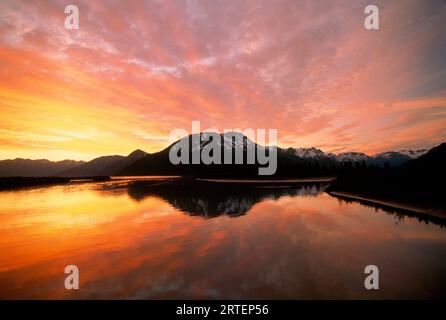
[145, 240]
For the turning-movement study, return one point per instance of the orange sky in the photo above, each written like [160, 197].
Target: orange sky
[135, 70]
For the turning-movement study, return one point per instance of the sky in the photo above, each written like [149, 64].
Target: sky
[135, 70]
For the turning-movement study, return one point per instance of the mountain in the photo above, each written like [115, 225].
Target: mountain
[159, 163]
[393, 158]
[413, 154]
[429, 165]
[309, 153]
[35, 168]
[117, 166]
[396, 158]
[419, 181]
[103, 166]
[290, 162]
[95, 167]
[352, 157]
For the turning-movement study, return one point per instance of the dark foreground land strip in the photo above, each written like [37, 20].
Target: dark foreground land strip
[434, 214]
[10, 183]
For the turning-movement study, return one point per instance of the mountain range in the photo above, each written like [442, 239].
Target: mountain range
[393, 158]
[142, 163]
[102, 166]
[35, 168]
[419, 181]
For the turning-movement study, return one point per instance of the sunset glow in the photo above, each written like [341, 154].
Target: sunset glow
[135, 70]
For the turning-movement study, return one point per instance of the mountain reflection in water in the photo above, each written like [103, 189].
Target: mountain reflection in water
[215, 199]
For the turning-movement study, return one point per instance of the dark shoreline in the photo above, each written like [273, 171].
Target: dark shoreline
[391, 203]
[11, 183]
[423, 214]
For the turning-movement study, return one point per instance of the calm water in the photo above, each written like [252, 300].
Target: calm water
[144, 241]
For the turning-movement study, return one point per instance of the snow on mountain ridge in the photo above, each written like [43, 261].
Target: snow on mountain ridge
[309, 153]
[352, 157]
[392, 157]
[413, 154]
[355, 156]
[237, 140]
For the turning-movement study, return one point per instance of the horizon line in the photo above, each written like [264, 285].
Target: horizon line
[284, 148]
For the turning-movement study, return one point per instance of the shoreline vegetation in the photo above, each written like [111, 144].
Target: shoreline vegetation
[400, 205]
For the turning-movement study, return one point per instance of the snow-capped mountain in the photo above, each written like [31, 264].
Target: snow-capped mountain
[238, 141]
[352, 157]
[413, 154]
[393, 158]
[229, 140]
[308, 153]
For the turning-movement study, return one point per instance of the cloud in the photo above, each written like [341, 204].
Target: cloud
[307, 68]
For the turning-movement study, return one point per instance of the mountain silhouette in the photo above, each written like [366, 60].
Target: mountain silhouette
[103, 166]
[159, 163]
[420, 180]
[392, 158]
[291, 162]
[431, 163]
[35, 168]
